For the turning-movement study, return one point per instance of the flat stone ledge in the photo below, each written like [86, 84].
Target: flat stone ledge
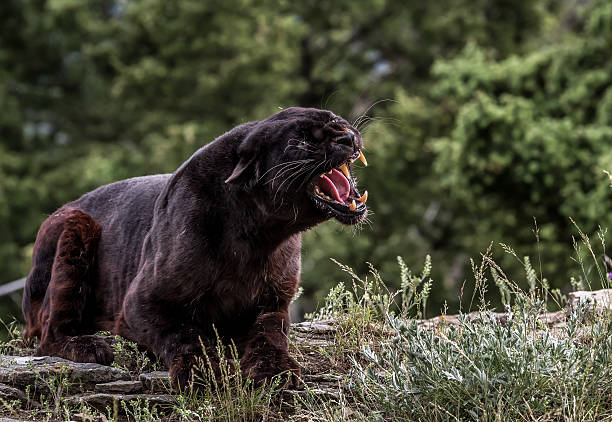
[599, 299]
[318, 378]
[21, 371]
[101, 401]
[316, 328]
[324, 393]
[156, 381]
[548, 318]
[124, 387]
[9, 393]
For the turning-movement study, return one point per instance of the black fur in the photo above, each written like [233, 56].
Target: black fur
[161, 259]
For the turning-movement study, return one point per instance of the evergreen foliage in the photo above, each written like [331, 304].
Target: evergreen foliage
[492, 113]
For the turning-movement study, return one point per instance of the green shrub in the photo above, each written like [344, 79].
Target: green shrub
[483, 369]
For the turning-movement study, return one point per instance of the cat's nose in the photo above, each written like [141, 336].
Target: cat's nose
[348, 138]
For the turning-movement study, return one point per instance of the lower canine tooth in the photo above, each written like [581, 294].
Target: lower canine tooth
[364, 197]
[352, 206]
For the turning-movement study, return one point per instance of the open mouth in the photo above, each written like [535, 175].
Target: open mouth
[336, 190]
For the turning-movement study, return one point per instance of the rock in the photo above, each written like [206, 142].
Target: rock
[323, 393]
[549, 318]
[315, 328]
[501, 317]
[83, 417]
[21, 371]
[124, 387]
[314, 333]
[321, 378]
[156, 381]
[101, 401]
[553, 319]
[324, 386]
[600, 299]
[313, 342]
[8, 393]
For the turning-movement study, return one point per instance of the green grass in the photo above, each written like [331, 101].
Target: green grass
[486, 370]
[227, 396]
[482, 368]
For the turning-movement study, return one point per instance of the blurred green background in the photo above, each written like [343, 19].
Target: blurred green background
[478, 116]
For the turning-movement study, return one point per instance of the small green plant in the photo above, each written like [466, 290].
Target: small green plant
[130, 357]
[370, 300]
[593, 272]
[14, 344]
[221, 393]
[411, 297]
[10, 406]
[55, 386]
[87, 414]
[139, 410]
[359, 314]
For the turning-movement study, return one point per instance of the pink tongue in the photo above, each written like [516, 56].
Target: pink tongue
[335, 185]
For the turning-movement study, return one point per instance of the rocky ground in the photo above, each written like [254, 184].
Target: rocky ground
[23, 379]
[29, 384]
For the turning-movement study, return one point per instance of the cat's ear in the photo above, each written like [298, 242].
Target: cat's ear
[242, 169]
[247, 171]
